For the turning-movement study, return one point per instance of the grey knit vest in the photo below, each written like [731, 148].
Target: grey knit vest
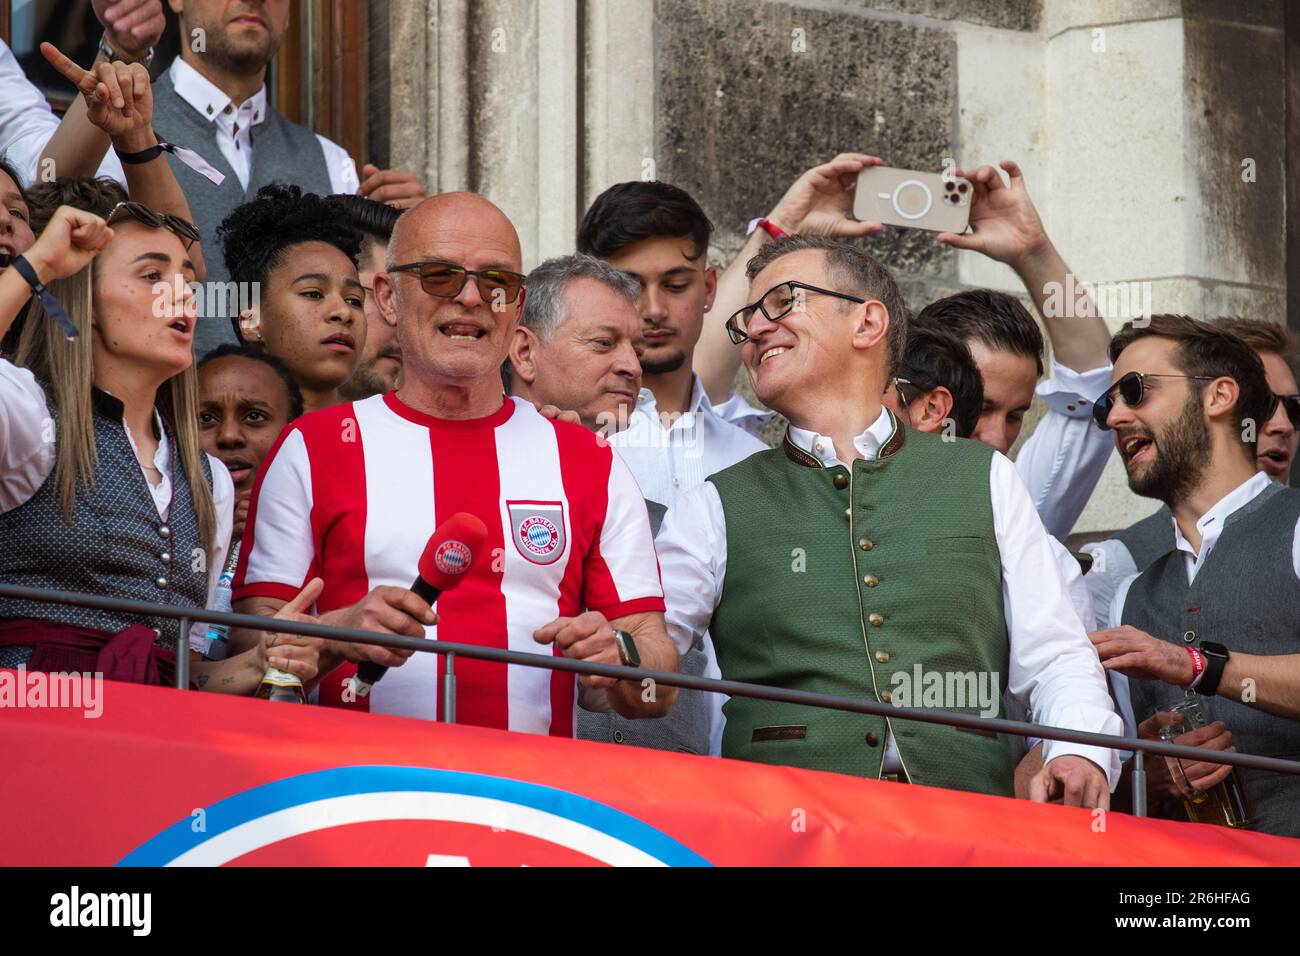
[282, 152]
[116, 546]
[1150, 538]
[1246, 597]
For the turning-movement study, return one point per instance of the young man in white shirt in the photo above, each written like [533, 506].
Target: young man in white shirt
[673, 439]
[1063, 459]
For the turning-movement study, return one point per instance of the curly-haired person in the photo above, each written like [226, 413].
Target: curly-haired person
[298, 257]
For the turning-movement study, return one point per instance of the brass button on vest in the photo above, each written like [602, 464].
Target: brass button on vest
[887, 697]
[870, 580]
[848, 514]
[872, 739]
[876, 619]
[866, 544]
[882, 657]
[841, 481]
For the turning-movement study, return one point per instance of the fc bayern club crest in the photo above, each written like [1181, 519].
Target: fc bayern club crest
[452, 557]
[537, 529]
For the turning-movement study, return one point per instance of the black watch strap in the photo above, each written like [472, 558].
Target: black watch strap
[1216, 658]
[48, 301]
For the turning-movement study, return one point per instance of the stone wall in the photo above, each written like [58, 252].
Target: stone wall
[1151, 132]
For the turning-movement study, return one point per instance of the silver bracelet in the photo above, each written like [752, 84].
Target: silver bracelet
[110, 54]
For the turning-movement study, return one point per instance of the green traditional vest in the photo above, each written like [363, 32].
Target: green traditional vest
[839, 579]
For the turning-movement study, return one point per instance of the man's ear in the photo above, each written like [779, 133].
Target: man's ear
[710, 287]
[384, 297]
[250, 325]
[935, 409]
[872, 324]
[1221, 398]
[523, 354]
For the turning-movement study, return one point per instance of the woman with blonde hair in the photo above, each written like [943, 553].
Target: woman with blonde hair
[103, 485]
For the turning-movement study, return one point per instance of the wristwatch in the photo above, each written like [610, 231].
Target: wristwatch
[1216, 658]
[628, 655]
[110, 54]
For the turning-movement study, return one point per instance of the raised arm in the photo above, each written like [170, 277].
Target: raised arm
[1006, 227]
[820, 202]
[131, 29]
[116, 106]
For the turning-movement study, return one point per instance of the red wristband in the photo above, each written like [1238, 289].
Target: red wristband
[1198, 665]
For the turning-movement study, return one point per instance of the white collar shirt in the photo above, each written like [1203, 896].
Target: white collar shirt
[672, 453]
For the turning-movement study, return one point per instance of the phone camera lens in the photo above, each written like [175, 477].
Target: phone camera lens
[949, 186]
[961, 187]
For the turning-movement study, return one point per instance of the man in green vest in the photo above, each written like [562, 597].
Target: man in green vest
[865, 559]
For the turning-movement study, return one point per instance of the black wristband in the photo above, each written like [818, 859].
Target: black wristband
[1216, 658]
[51, 304]
[143, 156]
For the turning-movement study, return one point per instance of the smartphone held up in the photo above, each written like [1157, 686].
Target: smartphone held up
[938, 202]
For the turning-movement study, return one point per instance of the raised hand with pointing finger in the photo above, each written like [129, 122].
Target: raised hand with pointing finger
[119, 97]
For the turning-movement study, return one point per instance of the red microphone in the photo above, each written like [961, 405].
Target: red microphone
[446, 560]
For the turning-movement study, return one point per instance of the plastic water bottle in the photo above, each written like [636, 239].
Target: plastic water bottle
[218, 634]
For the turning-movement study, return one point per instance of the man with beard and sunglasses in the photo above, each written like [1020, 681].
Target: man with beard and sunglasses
[1185, 405]
[1134, 548]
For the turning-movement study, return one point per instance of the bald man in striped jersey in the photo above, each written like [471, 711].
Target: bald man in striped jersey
[352, 493]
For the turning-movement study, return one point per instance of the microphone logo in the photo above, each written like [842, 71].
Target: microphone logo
[452, 557]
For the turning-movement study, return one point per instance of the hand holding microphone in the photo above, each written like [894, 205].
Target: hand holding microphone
[446, 561]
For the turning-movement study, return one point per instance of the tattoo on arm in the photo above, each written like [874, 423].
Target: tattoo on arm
[201, 680]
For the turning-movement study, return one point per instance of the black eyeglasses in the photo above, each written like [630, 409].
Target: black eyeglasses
[446, 280]
[778, 302]
[1132, 389]
[185, 231]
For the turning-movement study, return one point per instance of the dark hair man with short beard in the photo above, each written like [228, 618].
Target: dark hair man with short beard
[213, 99]
[1186, 404]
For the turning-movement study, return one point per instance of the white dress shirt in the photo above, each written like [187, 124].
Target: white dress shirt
[667, 461]
[1060, 462]
[26, 120]
[27, 459]
[1053, 669]
[696, 444]
[236, 136]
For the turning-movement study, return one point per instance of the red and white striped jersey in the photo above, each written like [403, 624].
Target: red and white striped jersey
[352, 494]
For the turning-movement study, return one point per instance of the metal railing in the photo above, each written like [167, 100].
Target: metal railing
[186, 616]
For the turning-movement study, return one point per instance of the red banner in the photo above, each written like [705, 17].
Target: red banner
[161, 777]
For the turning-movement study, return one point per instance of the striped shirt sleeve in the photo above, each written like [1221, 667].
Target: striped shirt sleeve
[621, 571]
[278, 555]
